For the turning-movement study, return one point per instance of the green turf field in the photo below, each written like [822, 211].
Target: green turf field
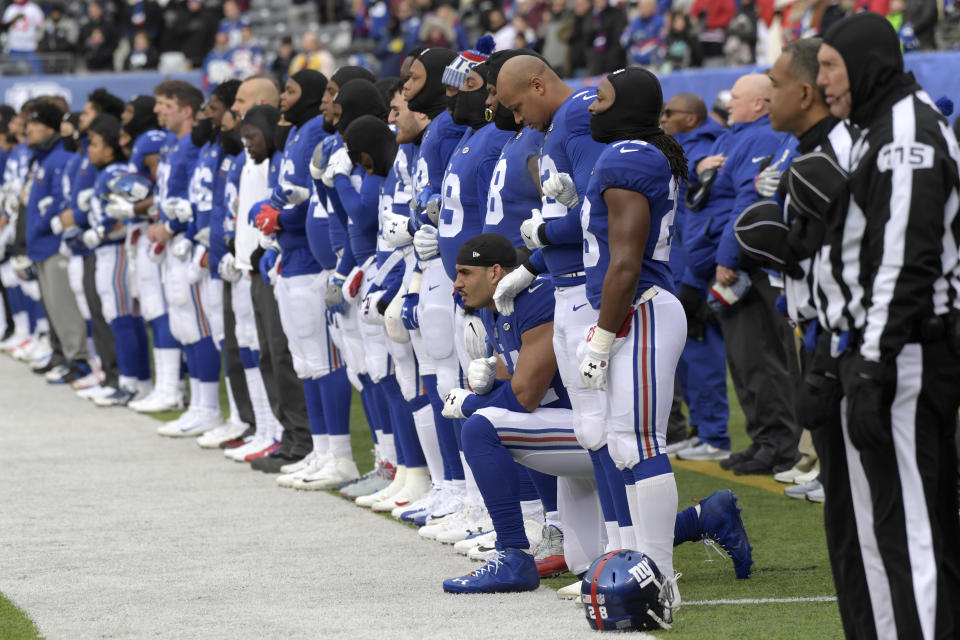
[789, 554]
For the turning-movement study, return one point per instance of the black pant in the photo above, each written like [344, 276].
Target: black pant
[231, 357]
[764, 367]
[892, 504]
[102, 335]
[284, 389]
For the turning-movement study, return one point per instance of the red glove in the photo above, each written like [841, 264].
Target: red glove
[134, 236]
[268, 219]
[355, 284]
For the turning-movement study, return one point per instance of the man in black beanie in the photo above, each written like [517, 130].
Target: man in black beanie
[900, 371]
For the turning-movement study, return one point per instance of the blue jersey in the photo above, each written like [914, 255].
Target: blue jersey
[404, 170]
[568, 148]
[203, 186]
[644, 39]
[318, 233]
[359, 210]
[177, 160]
[46, 200]
[638, 166]
[83, 178]
[466, 185]
[101, 191]
[222, 223]
[513, 193]
[436, 146]
[532, 307]
[18, 166]
[147, 143]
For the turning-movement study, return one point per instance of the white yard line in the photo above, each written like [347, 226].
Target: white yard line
[701, 603]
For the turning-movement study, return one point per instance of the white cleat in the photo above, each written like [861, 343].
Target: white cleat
[703, 451]
[421, 504]
[57, 372]
[304, 463]
[297, 470]
[334, 472]
[486, 551]
[477, 521]
[158, 400]
[389, 491]
[434, 528]
[680, 445]
[570, 592]
[464, 547]
[192, 423]
[257, 444]
[215, 437]
[91, 393]
[416, 484]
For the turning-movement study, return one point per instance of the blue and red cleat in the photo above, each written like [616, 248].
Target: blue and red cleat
[720, 521]
[511, 570]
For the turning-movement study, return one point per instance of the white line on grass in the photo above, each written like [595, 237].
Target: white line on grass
[697, 603]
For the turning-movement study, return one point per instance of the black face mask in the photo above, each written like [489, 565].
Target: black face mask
[72, 143]
[202, 132]
[359, 98]
[231, 142]
[280, 136]
[431, 99]
[502, 119]
[371, 135]
[312, 86]
[469, 108]
[635, 112]
[451, 102]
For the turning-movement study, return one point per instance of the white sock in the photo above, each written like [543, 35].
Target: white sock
[21, 323]
[209, 394]
[656, 513]
[387, 448]
[262, 413]
[234, 412]
[532, 510]
[455, 486]
[43, 326]
[340, 447]
[471, 495]
[553, 518]
[144, 387]
[628, 537]
[167, 365]
[427, 434]
[128, 383]
[321, 443]
[613, 536]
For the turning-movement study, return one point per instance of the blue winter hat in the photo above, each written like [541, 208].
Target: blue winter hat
[456, 72]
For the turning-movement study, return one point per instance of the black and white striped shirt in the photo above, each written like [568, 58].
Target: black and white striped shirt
[898, 251]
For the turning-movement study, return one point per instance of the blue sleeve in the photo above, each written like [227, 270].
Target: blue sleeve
[391, 284]
[348, 196]
[295, 168]
[538, 262]
[582, 151]
[347, 260]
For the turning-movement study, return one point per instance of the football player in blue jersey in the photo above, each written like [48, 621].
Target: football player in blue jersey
[540, 100]
[525, 418]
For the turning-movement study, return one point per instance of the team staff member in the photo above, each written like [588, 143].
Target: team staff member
[901, 372]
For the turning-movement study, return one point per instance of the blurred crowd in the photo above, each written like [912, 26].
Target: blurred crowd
[578, 37]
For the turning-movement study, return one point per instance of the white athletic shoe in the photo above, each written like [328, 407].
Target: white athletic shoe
[488, 539]
[672, 449]
[14, 342]
[421, 504]
[790, 475]
[809, 476]
[192, 423]
[297, 470]
[570, 592]
[477, 521]
[215, 437]
[434, 526]
[448, 502]
[91, 393]
[92, 379]
[57, 372]
[333, 473]
[703, 451]
[24, 351]
[257, 444]
[389, 491]
[303, 463]
[487, 550]
[817, 495]
[416, 483]
[156, 401]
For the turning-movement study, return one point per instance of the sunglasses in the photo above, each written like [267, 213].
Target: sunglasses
[668, 113]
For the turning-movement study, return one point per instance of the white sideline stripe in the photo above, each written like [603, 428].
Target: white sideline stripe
[699, 603]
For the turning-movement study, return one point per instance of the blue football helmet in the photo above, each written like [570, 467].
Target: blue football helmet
[625, 591]
[132, 187]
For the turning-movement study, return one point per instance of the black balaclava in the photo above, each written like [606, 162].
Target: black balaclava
[144, 119]
[108, 127]
[469, 107]
[386, 86]
[230, 141]
[202, 132]
[312, 85]
[503, 118]
[280, 135]
[635, 112]
[226, 92]
[371, 135]
[359, 98]
[342, 77]
[72, 143]
[265, 118]
[432, 97]
[870, 48]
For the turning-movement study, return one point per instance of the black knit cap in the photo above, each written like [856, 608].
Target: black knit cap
[46, 113]
[226, 92]
[108, 128]
[486, 250]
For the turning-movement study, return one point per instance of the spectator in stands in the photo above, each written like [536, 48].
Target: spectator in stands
[217, 67]
[281, 62]
[645, 36]
[143, 55]
[740, 44]
[98, 39]
[435, 32]
[233, 23]
[915, 22]
[554, 35]
[313, 56]
[504, 33]
[247, 59]
[22, 20]
[192, 31]
[713, 17]
[60, 31]
[401, 35]
[145, 15]
[683, 48]
[607, 54]
[461, 39]
[580, 38]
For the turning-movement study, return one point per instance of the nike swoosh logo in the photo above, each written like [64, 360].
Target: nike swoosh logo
[433, 287]
[577, 307]
[532, 289]
[624, 150]
[756, 160]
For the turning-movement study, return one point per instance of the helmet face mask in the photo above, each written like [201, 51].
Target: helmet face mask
[624, 590]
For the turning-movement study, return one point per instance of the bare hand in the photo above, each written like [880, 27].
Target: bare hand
[66, 219]
[725, 276]
[710, 162]
[158, 233]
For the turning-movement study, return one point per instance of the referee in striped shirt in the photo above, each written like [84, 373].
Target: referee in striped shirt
[900, 370]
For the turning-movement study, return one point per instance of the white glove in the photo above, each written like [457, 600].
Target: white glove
[767, 181]
[391, 319]
[426, 242]
[316, 169]
[294, 194]
[475, 337]
[84, 197]
[228, 269]
[181, 248]
[118, 208]
[530, 230]
[481, 373]
[91, 238]
[368, 310]
[202, 237]
[339, 164]
[396, 232]
[44, 205]
[274, 271]
[178, 208]
[352, 285]
[453, 403]
[510, 287]
[20, 263]
[11, 204]
[433, 210]
[194, 270]
[234, 206]
[560, 187]
[56, 225]
[595, 362]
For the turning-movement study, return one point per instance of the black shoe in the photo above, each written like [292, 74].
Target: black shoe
[47, 367]
[272, 464]
[78, 369]
[739, 456]
[762, 463]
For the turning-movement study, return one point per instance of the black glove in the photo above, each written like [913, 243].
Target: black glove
[819, 392]
[869, 399]
[692, 300]
[382, 305]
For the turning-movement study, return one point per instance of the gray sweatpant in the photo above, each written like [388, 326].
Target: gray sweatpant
[60, 304]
